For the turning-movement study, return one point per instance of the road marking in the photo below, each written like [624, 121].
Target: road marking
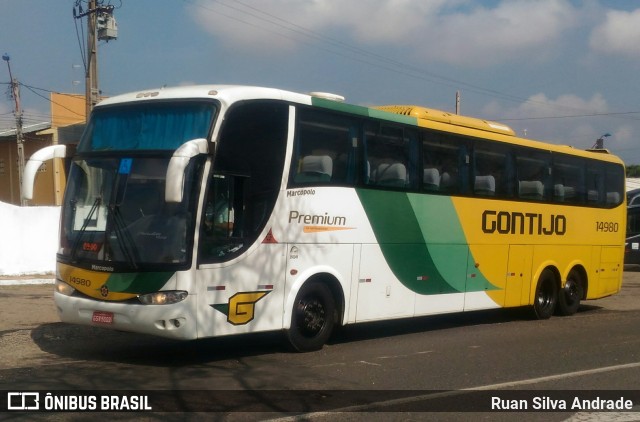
[328, 365]
[600, 416]
[369, 363]
[554, 377]
[405, 356]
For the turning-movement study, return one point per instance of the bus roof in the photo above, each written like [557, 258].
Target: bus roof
[446, 117]
[224, 93]
[407, 114]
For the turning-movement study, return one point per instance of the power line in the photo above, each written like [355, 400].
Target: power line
[364, 56]
[32, 89]
[81, 37]
[374, 59]
[370, 58]
[574, 116]
[32, 117]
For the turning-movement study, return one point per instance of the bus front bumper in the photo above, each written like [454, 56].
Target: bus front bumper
[176, 321]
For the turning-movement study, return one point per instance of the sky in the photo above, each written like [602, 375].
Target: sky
[561, 71]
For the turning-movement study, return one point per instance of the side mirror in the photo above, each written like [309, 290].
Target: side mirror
[34, 163]
[174, 184]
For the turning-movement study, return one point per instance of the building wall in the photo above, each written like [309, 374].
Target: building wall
[44, 193]
[67, 117]
[8, 172]
[67, 109]
[67, 113]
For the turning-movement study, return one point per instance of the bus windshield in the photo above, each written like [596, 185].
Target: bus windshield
[147, 126]
[114, 211]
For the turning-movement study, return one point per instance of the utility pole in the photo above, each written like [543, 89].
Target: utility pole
[101, 25]
[457, 102]
[91, 74]
[15, 93]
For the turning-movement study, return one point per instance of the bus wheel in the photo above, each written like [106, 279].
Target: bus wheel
[544, 303]
[313, 317]
[569, 297]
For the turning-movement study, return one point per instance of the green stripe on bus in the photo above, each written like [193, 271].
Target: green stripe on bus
[398, 118]
[363, 111]
[422, 241]
[137, 282]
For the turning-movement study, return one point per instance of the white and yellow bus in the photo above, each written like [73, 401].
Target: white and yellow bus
[216, 210]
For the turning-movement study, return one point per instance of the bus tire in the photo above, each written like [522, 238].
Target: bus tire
[569, 297]
[313, 317]
[546, 297]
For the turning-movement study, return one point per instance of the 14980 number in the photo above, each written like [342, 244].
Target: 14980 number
[606, 226]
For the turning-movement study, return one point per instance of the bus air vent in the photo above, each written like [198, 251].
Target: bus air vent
[425, 113]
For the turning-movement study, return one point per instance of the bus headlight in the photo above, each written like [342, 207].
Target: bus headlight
[163, 298]
[63, 288]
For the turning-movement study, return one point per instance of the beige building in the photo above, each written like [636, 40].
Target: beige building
[66, 126]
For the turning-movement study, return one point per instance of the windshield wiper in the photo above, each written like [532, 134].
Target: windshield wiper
[125, 242]
[85, 224]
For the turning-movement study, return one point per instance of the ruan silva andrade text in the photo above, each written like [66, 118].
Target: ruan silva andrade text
[548, 403]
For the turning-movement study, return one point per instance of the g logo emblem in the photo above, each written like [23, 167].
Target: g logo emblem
[241, 307]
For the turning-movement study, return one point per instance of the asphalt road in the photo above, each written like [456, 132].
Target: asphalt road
[397, 369]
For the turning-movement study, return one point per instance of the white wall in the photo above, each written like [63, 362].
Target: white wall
[28, 239]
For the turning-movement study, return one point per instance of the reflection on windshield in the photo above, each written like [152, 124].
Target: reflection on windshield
[114, 211]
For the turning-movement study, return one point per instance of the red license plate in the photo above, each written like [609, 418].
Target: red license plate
[101, 317]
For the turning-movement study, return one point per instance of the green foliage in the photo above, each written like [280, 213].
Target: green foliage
[633, 170]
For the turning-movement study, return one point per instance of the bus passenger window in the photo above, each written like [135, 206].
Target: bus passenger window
[568, 179]
[391, 174]
[324, 152]
[492, 170]
[533, 176]
[389, 157]
[614, 184]
[595, 186]
[314, 169]
[440, 168]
